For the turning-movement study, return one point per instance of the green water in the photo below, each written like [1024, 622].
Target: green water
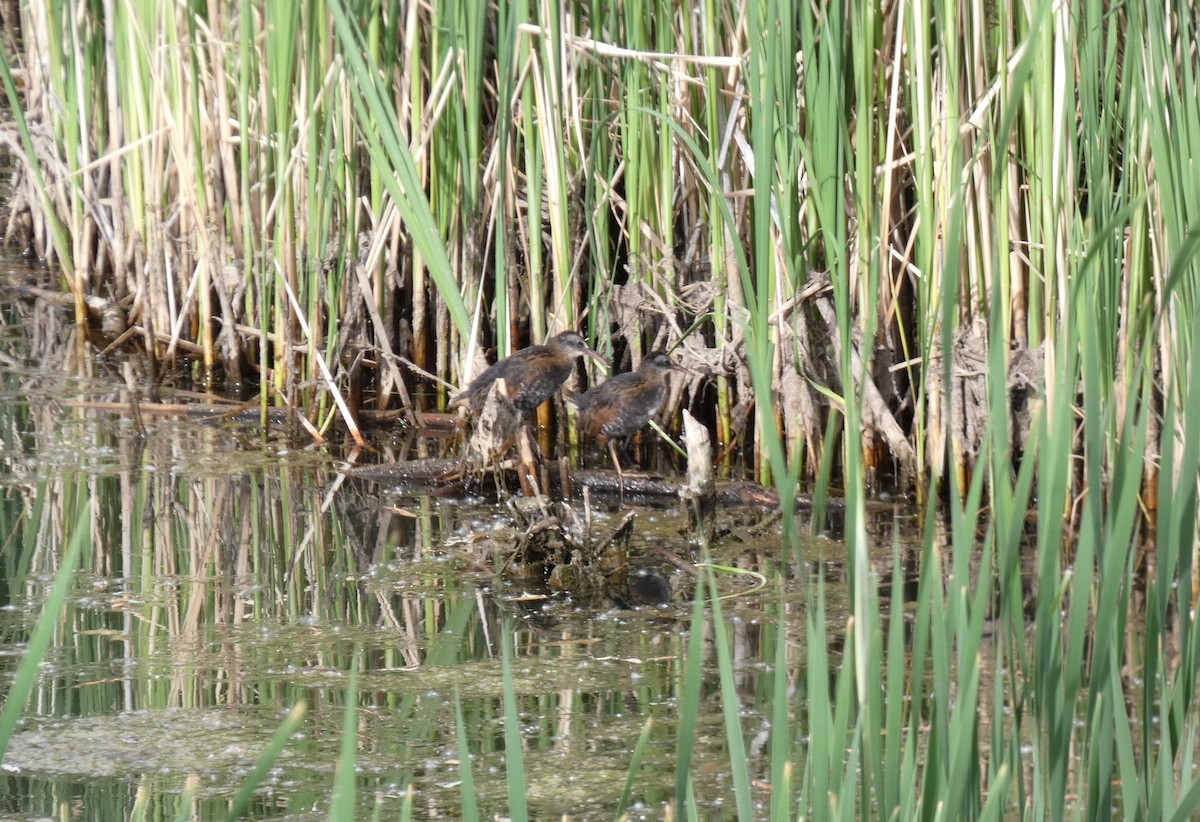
[232, 573]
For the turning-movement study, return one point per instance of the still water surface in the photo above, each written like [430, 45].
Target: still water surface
[232, 573]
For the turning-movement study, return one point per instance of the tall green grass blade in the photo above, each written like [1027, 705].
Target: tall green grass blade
[466, 786]
[388, 150]
[635, 764]
[406, 809]
[730, 706]
[241, 800]
[187, 799]
[514, 757]
[823, 761]
[781, 727]
[846, 733]
[43, 630]
[693, 813]
[761, 83]
[894, 765]
[58, 230]
[689, 701]
[995, 807]
[1189, 802]
[341, 807]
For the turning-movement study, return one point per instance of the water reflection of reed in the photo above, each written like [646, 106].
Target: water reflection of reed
[224, 573]
[229, 576]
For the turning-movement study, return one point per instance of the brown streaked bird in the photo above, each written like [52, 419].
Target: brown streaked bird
[622, 405]
[530, 375]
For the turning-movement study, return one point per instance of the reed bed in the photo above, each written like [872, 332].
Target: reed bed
[949, 245]
[280, 196]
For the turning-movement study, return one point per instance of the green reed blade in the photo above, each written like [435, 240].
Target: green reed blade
[821, 754]
[187, 799]
[466, 786]
[1189, 802]
[43, 630]
[995, 807]
[730, 705]
[848, 795]
[689, 700]
[341, 806]
[894, 766]
[781, 730]
[281, 737]
[514, 757]
[406, 808]
[635, 763]
[58, 230]
[377, 120]
[693, 813]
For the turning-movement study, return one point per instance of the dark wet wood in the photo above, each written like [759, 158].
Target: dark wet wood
[250, 412]
[447, 475]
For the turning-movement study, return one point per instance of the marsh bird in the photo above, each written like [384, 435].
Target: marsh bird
[530, 375]
[619, 407]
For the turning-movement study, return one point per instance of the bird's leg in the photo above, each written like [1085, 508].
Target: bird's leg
[612, 450]
[527, 469]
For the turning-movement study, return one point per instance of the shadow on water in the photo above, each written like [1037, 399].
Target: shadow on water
[232, 573]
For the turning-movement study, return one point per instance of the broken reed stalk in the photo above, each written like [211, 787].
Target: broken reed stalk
[699, 492]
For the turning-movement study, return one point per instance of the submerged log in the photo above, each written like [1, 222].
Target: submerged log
[447, 475]
[207, 412]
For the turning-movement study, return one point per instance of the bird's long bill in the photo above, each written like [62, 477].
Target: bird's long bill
[595, 356]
